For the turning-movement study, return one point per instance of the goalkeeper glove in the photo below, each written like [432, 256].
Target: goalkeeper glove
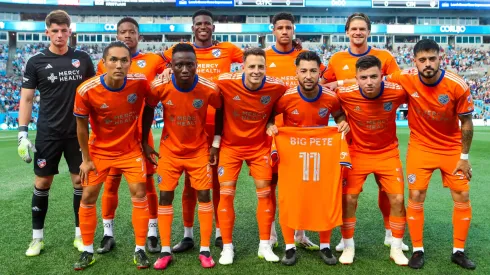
[25, 145]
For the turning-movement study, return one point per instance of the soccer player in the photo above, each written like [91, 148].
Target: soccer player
[371, 108]
[341, 70]
[307, 104]
[439, 100]
[112, 102]
[56, 72]
[184, 145]
[150, 65]
[212, 60]
[248, 100]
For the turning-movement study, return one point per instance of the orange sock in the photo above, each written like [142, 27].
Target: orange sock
[110, 198]
[189, 201]
[397, 225]
[461, 223]
[273, 199]
[215, 194]
[415, 220]
[288, 234]
[165, 218]
[226, 213]
[151, 194]
[265, 216]
[348, 227]
[385, 207]
[205, 214]
[88, 222]
[325, 236]
[140, 219]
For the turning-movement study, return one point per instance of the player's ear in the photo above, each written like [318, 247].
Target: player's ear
[192, 29]
[214, 27]
[140, 37]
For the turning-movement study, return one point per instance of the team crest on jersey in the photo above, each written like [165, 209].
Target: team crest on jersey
[132, 98]
[141, 63]
[411, 178]
[221, 171]
[323, 112]
[41, 163]
[216, 53]
[388, 106]
[197, 103]
[159, 179]
[75, 63]
[265, 99]
[443, 99]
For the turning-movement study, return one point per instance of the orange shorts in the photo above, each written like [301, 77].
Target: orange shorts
[230, 164]
[171, 168]
[133, 168]
[150, 167]
[421, 165]
[387, 168]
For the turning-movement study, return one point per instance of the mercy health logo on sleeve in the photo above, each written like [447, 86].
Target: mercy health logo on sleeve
[454, 29]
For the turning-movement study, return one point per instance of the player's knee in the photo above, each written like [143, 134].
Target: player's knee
[228, 184]
[460, 196]
[43, 182]
[90, 195]
[262, 183]
[351, 199]
[166, 198]
[417, 195]
[203, 196]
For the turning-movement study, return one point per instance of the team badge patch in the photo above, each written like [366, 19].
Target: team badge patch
[388, 106]
[197, 103]
[411, 178]
[159, 179]
[443, 99]
[75, 63]
[141, 63]
[265, 99]
[323, 112]
[41, 163]
[221, 171]
[216, 53]
[132, 98]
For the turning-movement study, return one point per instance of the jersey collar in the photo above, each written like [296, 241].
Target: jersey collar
[279, 52]
[135, 54]
[198, 47]
[261, 85]
[196, 79]
[379, 95]
[443, 72]
[320, 89]
[361, 54]
[102, 81]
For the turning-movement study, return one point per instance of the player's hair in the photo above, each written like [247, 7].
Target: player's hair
[115, 44]
[183, 48]
[128, 20]
[367, 62]
[282, 16]
[308, 56]
[357, 16]
[253, 51]
[58, 17]
[202, 12]
[425, 45]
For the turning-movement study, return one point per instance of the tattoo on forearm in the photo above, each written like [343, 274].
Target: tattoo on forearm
[467, 138]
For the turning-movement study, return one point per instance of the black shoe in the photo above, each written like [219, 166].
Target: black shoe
[219, 243]
[107, 244]
[290, 258]
[141, 260]
[86, 260]
[462, 260]
[327, 256]
[184, 245]
[417, 260]
[153, 245]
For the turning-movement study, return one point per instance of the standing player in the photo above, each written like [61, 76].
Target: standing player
[248, 100]
[439, 100]
[184, 146]
[308, 104]
[341, 70]
[150, 65]
[112, 102]
[371, 108]
[56, 72]
[212, 60]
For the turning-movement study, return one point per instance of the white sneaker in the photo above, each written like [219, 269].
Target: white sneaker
[78, 243]
[388, 240]
[340, 246]
[35, 247]
[305, 243]
[396, 254]
[227, 256]
[273, 242]
[347, 256]
[265, 252]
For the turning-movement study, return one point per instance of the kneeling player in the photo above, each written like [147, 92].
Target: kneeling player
[112, 102]
[183, 148]
[371, 111]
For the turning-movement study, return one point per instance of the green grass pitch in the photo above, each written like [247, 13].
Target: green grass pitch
[372, 257]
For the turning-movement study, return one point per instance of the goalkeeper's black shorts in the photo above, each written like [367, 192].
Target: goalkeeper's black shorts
[48, 156]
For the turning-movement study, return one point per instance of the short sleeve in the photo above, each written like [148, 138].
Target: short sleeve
[236, 54]
[153, 96]
[29, 80]
[391, 66]
[329, 74]
[323, 70]
[464, 104]
[280, 106]
[161, 64]
[167, 57]
[100, 67]
[394, 77]
[82, 105]
[90, 71]
[335, 108]
[215, 99]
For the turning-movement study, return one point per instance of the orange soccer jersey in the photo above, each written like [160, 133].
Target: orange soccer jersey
[342, 65]
[246, 112]
[113, 114]
[149, 64]
[310, 186]
[184, 114]
[433, 110]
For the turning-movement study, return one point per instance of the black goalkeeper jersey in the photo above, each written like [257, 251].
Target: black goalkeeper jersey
[57, 78]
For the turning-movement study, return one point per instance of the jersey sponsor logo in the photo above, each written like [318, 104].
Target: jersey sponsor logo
[415, 95]
[346, 67]
[295, 112]
[132, 98]
[272, 65]
[323, 112]
[411, 178]
[443, 99]
[388, 106]
[237, 98]
[41, 163]
[52, 78]
[216, 53]
[104, 106]
[197, 103]
[265, 99]
[357, 109]
[48, 67]
[75, 63]
[169, 103]
[141, 63]
[221, 171]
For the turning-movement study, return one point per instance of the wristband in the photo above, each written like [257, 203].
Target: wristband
[464, 156]
[216, 141]
[23, 128]
[340, 83]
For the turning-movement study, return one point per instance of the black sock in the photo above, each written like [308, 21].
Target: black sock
[77, 197]
[39, 207]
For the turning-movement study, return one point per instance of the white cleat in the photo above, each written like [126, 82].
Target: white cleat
[347, 256]
[340, 246]
[396, 254]
[227, 256]
[265, 252]
[388, 240]
[35, 247]
[78, 243]
[273, 242]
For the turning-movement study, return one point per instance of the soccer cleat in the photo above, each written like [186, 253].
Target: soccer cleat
[265, 252]
[184, 245]
[290, 257]
[86, 260]
[347, 256]
[107, 244]
[141, 260]
[78, 243]
[35, 247]
[388, 240]
[327, 256]
[227, 256]
[340, 246]
[417, 260]
[206, 259]
[273, 242]
[396, 254]
[462, 260]
[153, 245]
[305, 243]
[219, 243]
[163, 261]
